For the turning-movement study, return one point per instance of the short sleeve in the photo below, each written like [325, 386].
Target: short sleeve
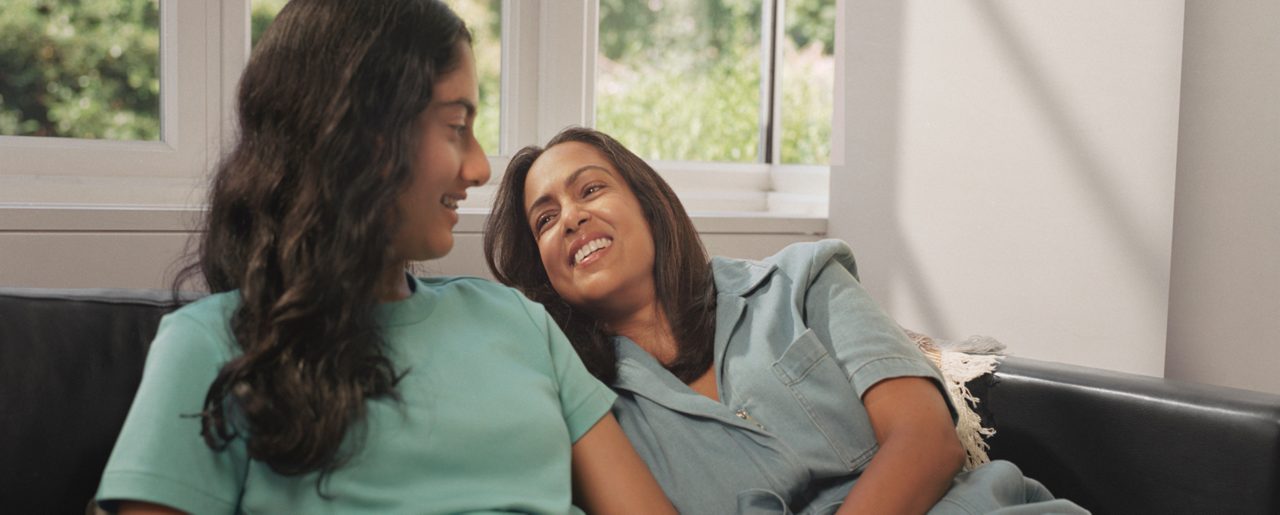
[868, 344]
[160, 456]
[584, 400]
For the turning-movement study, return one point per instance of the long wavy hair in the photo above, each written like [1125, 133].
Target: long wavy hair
[301, 217]
[682, 273]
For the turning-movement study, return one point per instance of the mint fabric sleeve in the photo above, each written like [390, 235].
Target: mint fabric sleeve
[584, 400]
[160, 456]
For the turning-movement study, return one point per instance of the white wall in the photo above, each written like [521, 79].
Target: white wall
[1008, 169]
[1224, 309]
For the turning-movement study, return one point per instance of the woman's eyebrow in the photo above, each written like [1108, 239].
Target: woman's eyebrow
[461, 102]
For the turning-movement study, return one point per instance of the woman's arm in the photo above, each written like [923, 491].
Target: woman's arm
[919, 451]
[609, 476]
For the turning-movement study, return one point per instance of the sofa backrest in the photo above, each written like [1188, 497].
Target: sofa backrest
[1115, 442]
[70, 363]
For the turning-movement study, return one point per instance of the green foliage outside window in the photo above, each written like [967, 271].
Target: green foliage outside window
[808, 81]
[713, 114]
[680, 79]
[80, 69]
[261, 14]
[484, 19]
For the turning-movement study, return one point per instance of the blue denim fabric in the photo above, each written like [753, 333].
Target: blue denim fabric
[798, 342]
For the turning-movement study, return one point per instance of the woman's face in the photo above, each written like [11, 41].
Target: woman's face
[448, 160]
[594, 241]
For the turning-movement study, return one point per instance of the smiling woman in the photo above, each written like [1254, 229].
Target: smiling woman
[291, 387]
[773, 386]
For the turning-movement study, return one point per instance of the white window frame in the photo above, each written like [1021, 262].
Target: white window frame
[548, 83]
[562, 34]
[47, 170]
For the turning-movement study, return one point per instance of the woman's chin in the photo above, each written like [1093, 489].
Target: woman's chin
[435, 249]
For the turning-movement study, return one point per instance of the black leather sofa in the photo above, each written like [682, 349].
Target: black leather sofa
[70, 361]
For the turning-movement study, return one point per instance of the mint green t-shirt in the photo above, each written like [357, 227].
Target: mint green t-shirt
[493, 398]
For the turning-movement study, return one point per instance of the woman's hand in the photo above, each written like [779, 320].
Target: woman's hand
[919, 451]
[609, 477]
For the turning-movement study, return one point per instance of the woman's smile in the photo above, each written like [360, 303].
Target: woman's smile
[589, 251]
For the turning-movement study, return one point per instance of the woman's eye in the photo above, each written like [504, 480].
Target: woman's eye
[542, 221]
[460, 129]
[592, 189]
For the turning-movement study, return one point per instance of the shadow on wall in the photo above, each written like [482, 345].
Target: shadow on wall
[1092, 169]
[874, 83]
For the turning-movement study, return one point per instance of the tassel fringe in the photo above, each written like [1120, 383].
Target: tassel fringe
[961, 362]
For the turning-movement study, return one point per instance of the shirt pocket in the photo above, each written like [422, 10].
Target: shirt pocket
[822, 390]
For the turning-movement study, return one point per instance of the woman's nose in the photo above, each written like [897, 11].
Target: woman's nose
[475, 165]
[574, 217]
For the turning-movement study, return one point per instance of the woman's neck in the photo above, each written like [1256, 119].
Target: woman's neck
[392, 286]
[649, 328]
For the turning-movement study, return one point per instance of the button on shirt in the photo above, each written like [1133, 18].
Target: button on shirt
[797, 343]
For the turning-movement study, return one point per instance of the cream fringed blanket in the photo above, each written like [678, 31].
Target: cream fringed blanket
[961, 362]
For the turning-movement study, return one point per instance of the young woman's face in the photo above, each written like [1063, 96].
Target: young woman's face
[594, 241]
[448, 161]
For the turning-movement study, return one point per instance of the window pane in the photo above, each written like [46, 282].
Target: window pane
[680, 79]
[484, 19]
[808, 76]
[87, 69]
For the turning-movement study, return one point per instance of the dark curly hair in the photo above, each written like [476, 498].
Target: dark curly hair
[682, 272]
[301, 217]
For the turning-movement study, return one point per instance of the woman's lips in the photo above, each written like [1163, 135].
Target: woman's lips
[591, 251]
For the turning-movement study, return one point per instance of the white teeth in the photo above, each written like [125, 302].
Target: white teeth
[590, 248]
[449, 202]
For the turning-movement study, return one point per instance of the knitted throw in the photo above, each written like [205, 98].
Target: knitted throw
[961, 362]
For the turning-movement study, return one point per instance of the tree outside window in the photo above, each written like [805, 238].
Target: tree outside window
[80, 69]
[681, 79]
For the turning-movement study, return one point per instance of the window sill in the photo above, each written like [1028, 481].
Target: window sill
[16, 217]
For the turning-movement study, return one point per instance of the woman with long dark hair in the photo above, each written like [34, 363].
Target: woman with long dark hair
[774, 386]
[319, 377]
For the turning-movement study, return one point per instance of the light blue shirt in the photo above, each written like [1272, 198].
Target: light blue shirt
[797, 343]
